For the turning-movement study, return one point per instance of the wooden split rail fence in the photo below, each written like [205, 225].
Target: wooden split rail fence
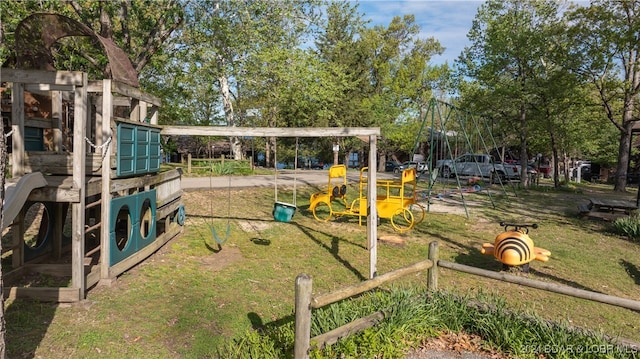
[305, 302]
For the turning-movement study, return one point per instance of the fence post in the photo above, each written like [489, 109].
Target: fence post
[189, 163]
[302, 317]
[432, 273]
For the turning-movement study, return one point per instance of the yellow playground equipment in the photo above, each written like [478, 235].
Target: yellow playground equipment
[514, 248]
[396, 199]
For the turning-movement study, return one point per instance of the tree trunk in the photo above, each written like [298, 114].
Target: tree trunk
[566, 163]
[624, 148]
[524, 158]
[382, 158]
[227, 105]
[556, 162]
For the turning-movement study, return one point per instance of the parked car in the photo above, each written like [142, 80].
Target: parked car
[390, 166]
[310, 163]
[419, 166]
[480, 165]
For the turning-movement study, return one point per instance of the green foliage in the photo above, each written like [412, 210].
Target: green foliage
[602, 44]
[232, 168]
[628, 226]
[411, 315]
[139, 29]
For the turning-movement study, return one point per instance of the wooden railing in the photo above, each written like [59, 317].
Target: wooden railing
[305, 302]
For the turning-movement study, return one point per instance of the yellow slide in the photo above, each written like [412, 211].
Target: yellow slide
[16, 193]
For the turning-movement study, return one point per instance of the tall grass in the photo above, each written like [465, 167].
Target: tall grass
[412, 314]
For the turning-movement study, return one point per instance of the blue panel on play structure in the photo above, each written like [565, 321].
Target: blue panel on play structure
[147, 218]
[123, 230]
[154, 150]
[126, 149]
[33, 139]
[142, 149]
[138, 150]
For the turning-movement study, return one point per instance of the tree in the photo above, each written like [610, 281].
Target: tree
[398, 81]
[223, 36]
[509, 40]
[605, 40]
[140, 30]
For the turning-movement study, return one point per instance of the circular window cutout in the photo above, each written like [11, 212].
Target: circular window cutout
[123, 227]
[146, 218]
[36, 225]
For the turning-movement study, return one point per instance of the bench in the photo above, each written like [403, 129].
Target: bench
[584, 208]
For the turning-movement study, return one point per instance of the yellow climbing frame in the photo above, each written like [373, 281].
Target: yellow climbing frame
[396, 199]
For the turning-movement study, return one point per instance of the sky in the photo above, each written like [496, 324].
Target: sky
[446, 21]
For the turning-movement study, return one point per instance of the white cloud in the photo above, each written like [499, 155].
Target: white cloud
[446, 21]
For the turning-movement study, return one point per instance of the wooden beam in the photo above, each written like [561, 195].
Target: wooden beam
[65, 78]
[224, 131]
[550, 287]
[360, 324]
[123, 184]
[359, 288]
[133, 92]
[47, 294]
[42, 88]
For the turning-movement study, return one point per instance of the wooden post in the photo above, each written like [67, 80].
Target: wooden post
[17, 129]
[56, 117]
[79, 170]
[302, 317]
[432, 273]
[189, 163]
[105, 190]
[143, 106]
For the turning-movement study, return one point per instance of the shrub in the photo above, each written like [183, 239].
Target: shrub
[411, 315]
[628, 226]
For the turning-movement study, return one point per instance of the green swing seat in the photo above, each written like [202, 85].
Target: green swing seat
[283, 212]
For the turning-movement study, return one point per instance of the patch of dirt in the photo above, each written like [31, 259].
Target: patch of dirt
[451, 345]
[222, 259]
[254, 226]
[444, 206]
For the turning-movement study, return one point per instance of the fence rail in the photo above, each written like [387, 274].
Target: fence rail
[305, 302]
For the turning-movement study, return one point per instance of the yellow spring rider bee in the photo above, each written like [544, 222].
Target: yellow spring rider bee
[515, 248]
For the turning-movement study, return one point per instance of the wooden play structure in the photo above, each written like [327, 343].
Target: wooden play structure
[87, 154]
[396, 199]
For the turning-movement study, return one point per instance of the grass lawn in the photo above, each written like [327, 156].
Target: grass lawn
[191, 297]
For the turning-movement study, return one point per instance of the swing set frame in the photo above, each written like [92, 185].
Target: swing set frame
[369, 134]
